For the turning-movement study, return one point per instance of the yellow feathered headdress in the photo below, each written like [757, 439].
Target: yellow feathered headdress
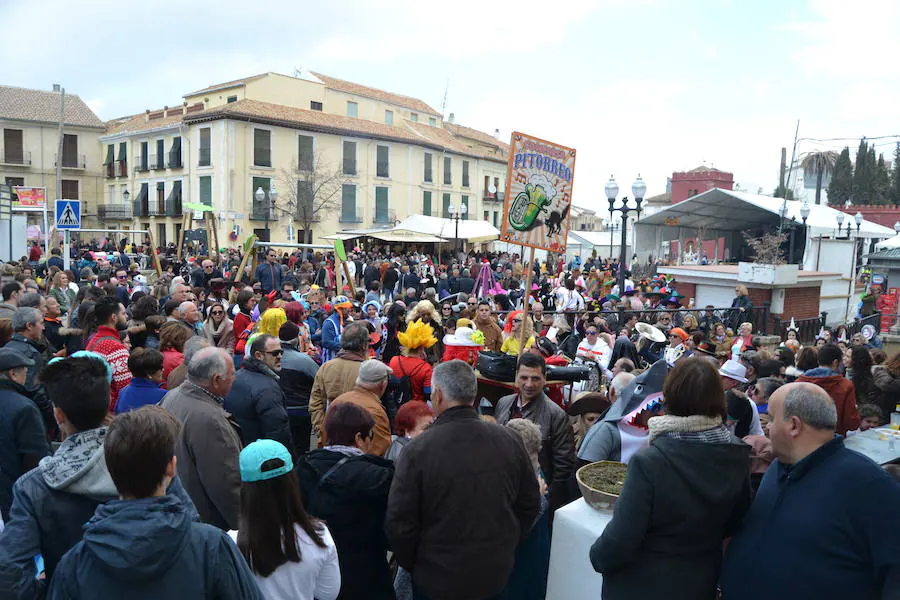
[417, 335]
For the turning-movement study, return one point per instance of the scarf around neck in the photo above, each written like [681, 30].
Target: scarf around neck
[712, 428]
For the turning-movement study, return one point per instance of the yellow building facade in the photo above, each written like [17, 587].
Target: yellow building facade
[338, 155]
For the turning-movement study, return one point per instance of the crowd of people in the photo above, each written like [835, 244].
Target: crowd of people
[277, 433]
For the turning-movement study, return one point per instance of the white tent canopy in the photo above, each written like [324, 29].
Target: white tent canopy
[470, 230]
[395, 234]
[737, 211]
[891, 242]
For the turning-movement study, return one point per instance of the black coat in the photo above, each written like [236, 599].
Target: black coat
[23, 438]
[681, 500]
[353, 501]
[257, 404]
[390, 279]
[370, 274]
[464, 495]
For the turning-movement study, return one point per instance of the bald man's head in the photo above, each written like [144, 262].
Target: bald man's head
[802, 418]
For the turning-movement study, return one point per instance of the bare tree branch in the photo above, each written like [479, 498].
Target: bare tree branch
[323, 185]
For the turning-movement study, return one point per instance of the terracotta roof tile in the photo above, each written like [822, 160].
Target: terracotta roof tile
[226, 85]
[480, 136]
[369, 92]
[138, 123]
[23, 104]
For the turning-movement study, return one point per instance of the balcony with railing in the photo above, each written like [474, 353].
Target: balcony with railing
[70, 161]
[259, 212]
[120, 168]
[383, 217]
[141, 163]
[157, 162]
[350, 217]
[156, 208]
[496, 197]
[115, 212]
[17, 158]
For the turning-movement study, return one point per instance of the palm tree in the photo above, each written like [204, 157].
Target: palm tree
[823, 164]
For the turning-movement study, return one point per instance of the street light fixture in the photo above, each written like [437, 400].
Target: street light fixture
[859, 219]
[457, 213]
[897, 227]
[269, 206]
[804, 211]
[638, 189]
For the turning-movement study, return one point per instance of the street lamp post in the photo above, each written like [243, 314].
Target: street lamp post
[269, 206]
[456, 214]
[638, 189]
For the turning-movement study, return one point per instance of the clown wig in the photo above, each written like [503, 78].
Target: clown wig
[417, 335]
[271, 321]
[423, 307]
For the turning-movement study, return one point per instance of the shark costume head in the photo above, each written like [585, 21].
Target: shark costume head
[640, 400]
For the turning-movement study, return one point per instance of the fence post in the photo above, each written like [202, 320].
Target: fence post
[765, 323]
[824, 319]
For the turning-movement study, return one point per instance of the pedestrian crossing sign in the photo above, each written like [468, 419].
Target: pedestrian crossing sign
[68, 214]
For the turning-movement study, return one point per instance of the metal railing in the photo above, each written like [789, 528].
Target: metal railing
[72, 162]
[258, 213]
[120, 168]
[156, 208]
[114, 212]
[9, 157]
[383, 217]
[354, 218]
[141, 208]
[141, 163]
[489, 197]
[807, 328]
[157, 162]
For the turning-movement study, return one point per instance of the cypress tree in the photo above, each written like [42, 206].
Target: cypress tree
[863, 173]
[841, 186]
[881, 183]
[895, 176]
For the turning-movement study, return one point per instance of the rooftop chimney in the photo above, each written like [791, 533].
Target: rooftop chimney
[451, 119]
[497, 133]
[56, 87]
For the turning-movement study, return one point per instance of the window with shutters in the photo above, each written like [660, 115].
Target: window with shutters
[465, 205]
[13, 147]
[349, 158]
[160, 162]
[69, 189]
[382, 161]
[426, 203]
[175, 153]
[205, 147]
[465, 174]
[305, 205]
[262, 148]
[448, 163]
[348, 203]
[382, 214]
[70, 152]
[305, 152]
[206, 190]
[445, 206]
[352, 109]
[428, 174]
[143, 163]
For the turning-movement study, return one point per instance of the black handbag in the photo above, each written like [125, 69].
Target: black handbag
[571, 373]
[497, 366]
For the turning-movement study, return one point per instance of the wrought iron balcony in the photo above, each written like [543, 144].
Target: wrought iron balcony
[115, 212]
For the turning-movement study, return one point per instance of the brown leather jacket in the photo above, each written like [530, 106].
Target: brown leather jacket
[493, 335]
[335, 377]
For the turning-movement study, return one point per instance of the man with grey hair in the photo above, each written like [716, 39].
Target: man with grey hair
[433, 505]
[371, 382]
[28, 340]
[179, 373]
[824, 522]
[188, 314]
[34, 300]
[209, 445]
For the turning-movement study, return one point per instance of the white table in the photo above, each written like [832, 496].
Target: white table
[576, 527]
[876, 444]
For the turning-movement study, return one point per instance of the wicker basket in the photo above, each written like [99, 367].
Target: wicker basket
[595, 498]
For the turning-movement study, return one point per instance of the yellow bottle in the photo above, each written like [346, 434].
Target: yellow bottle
[895, 418]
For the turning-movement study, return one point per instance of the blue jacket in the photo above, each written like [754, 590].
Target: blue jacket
[150, 548]
[826, 527]
[331, 337]
[138, 393]
[269, 276]
[51, 503]
[257, 404]
[22, 438]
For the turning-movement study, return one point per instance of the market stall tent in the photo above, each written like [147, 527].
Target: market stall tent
[473, 231]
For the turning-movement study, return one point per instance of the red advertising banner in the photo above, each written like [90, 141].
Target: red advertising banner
[29, 198]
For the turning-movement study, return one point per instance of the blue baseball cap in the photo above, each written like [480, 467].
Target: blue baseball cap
[255, 454]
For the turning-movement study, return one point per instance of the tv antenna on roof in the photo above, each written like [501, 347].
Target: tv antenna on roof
[444, 103]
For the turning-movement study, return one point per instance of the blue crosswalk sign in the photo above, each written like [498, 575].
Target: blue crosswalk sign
[68, 214]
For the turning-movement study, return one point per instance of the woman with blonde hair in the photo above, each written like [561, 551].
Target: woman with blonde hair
[59, 289]
[426, 312]
[689, 323]
[516, 326]
[742, 306]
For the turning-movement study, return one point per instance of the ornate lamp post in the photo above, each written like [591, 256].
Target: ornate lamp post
[269, 206]
[638, 189]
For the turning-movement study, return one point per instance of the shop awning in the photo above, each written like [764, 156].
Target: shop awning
[401, 235]
[110, 155]
[469, 230]
[726, 210]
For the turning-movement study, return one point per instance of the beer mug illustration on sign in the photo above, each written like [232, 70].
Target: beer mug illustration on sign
[530, 202]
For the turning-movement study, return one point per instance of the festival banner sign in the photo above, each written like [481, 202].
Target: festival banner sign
[29, 198]
[539, 180]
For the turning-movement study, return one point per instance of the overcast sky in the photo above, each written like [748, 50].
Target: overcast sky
[636, 86]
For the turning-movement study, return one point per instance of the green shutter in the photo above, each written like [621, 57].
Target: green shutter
[206, 190]
[123, 151]
[305, 153]
[426, 204]
[348, 203]
[381, 205]
[110, 154]
[445, 209]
